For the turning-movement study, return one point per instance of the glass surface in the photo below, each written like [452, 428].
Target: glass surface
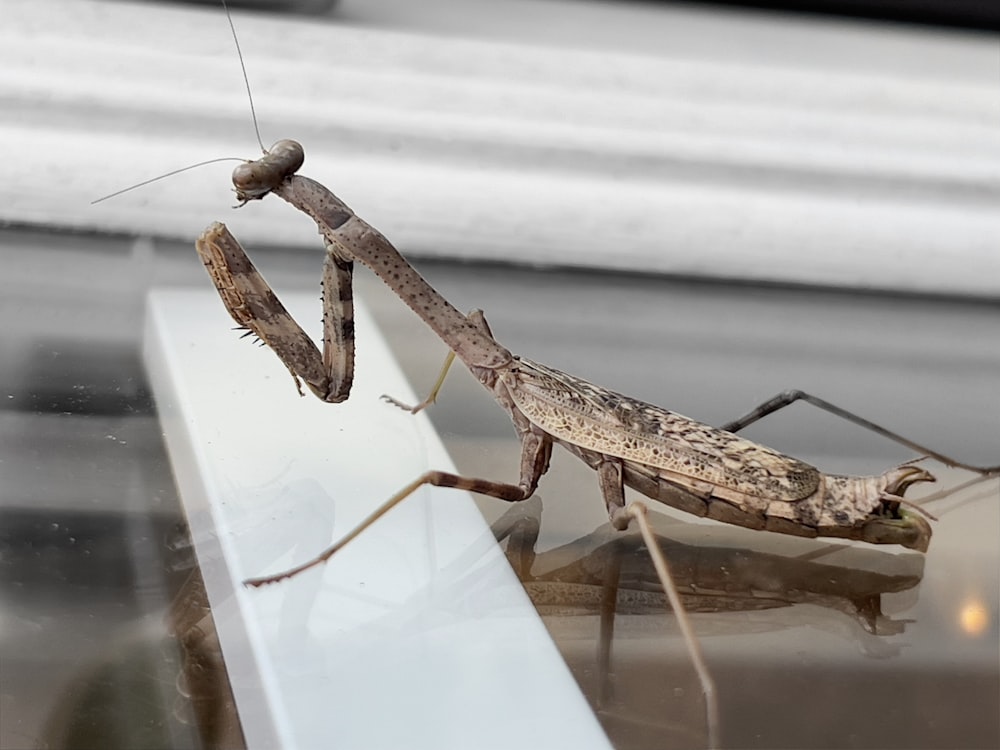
[104, 626]
[812, 643]
[105, 639]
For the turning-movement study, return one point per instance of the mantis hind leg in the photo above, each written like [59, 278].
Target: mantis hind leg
[613, 489]
[785, 398]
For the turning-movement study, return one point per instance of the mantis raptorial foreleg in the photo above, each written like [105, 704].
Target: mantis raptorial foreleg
[255, 307]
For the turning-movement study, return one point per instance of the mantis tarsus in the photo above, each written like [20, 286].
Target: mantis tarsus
[667, 457]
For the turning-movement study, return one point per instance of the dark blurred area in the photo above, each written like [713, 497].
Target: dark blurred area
[971, 14]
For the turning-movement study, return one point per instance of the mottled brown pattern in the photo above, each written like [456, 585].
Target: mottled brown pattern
[252, 304]
[710, 472]
[338, 326]
[611, 423]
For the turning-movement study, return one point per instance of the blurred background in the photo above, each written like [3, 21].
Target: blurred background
[698, 204]
[485, 18]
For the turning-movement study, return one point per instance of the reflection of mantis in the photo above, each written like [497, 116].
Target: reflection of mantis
[590, 573]
[667, 457]
[602, 589]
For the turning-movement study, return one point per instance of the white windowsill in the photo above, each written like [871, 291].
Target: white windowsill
[418, 634]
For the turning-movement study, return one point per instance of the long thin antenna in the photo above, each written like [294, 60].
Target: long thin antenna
[246, 79]
[164, 176]
[253, 115]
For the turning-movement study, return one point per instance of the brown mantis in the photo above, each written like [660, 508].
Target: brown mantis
[667, 457]
[700, 469]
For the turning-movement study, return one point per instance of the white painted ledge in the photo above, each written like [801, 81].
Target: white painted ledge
[874, 176]
[418, 634]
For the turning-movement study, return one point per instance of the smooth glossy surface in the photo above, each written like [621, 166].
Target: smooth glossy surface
[416, 634]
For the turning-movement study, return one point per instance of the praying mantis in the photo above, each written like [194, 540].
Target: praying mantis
[665, 456]
[669, 458]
